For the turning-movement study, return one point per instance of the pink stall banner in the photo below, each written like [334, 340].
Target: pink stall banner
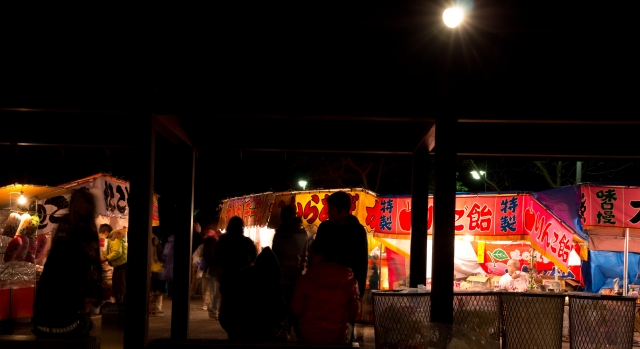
[610, 207]
[474, 215]
[548, 235]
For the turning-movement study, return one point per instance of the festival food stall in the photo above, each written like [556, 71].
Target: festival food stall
[112, 204]
[610, 215]
[490, 229]
[111, 197]
[21, 248]
[261, 215]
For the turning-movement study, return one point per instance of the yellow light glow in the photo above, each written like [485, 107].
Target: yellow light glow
[22, 200]
[452, 17]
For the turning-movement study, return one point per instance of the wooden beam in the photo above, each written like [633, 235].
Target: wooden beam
[170, 127]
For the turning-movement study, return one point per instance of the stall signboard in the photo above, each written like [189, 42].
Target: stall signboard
[492, 216]
[253, 209]
[112, 200]
[475, 215]
[280, 200]
[547, 234]
[610, 207]
[312, 207]
[495, 256]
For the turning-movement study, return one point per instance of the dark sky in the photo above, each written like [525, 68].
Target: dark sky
[520, 59]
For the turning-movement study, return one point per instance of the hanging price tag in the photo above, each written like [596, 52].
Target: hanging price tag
[481, 251]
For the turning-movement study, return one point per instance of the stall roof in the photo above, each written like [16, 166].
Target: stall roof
[10, 193]
[86, 179]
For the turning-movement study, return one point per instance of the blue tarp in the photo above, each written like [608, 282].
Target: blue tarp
[564, 202]
[605, 266]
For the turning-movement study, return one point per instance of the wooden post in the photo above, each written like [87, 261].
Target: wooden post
[444, 204]
[182, 226]
[139, 236]
[419, 218]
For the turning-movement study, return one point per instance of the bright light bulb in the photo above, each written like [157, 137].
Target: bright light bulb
[452, 17]
[303, 184]
[477, 175]
[22, 200]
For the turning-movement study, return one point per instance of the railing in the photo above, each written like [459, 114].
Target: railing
[506, 319]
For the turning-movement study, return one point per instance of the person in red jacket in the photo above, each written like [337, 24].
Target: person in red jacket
[326, 301]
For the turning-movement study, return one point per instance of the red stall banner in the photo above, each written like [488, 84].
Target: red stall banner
[311, 206]
[497, 254]
[253, 209]
[610, 207]
[491, 215]
[548, 234]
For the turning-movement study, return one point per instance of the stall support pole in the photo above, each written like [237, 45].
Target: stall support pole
[444, 204]
[419, 208]
[626, 262]
[140, 208]
[182, 223]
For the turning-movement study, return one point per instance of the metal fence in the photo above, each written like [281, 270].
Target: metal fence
[511, 320]
[532, 320]
[598, 321]
[400, 319]
[480, 312]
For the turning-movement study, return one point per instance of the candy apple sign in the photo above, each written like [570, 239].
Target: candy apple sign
[547, 234]
[404, 217]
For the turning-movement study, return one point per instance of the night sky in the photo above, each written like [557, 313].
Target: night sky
[513, 59]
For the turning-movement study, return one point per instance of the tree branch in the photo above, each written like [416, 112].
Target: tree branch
[544, 173]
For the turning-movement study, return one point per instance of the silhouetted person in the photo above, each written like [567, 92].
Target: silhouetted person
[157, 286]
[196, 241]
[342, 235]
[234, 251]
[253, 307]
[204, 259]
[167, 271]
[290, 247]
[326, 301]
[71, 280]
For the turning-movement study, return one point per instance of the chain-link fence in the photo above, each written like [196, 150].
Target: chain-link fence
[480, 312]
[532, 320]
[598, 321]
[400, 319]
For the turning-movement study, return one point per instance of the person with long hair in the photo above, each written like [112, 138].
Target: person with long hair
[71, 279]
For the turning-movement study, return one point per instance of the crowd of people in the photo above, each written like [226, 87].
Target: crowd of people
[307, 287]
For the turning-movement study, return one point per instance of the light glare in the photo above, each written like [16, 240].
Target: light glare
[21, 199]
[452, 17]
[475, 174]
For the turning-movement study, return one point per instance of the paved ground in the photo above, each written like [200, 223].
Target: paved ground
[201, 327]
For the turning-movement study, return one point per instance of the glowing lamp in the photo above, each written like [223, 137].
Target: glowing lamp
[452, 17]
